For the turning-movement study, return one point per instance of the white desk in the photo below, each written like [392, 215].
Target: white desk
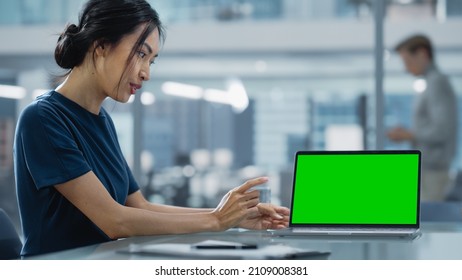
[438, 241]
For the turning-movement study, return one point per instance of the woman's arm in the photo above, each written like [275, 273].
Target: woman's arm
[137, 200]
[270, 216]
[89, 196]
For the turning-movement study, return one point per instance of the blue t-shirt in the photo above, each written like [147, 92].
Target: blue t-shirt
[56, 141]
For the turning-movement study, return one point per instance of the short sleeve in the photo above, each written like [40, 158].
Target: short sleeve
[48, 147]
[132, 184]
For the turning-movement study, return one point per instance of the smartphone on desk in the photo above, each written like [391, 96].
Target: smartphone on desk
[223, 245]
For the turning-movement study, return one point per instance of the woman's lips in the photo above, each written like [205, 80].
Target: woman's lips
[134, 88]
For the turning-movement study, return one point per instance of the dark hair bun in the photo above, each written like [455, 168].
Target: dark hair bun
[104, 22]
[71, 29]
[71, 47]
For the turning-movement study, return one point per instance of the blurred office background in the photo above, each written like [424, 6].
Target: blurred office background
[240, 85]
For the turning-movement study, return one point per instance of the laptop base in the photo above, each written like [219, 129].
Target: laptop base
[353, 232]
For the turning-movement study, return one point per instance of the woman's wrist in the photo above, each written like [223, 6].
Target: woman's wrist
[215, 223]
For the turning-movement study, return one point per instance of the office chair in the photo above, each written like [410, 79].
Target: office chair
[455, 193]
[441, 212]
[10, 244]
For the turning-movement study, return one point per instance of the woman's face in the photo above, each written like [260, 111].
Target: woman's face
[119, 80]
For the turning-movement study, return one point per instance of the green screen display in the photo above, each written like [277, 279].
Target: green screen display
[356, 189]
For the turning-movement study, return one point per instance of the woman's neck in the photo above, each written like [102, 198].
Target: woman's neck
[80, 86]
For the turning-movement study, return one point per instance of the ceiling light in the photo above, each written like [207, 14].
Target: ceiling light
[420, 85]
[148, 98]
[217, 96]
[404, 2]
[238, 95]
[261, 66]
[12, 92]
[182, 90]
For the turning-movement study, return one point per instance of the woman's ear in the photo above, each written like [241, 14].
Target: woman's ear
[100, 48]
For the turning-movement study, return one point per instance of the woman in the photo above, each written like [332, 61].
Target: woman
[74, 186]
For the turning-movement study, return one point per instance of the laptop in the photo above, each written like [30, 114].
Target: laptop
[372, 193]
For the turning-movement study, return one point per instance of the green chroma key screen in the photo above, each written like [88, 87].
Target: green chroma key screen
[356, 189]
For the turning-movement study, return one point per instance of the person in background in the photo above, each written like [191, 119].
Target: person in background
[74, 186]
[434, 126]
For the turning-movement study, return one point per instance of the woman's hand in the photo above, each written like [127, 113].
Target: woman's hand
[269, 217]
[239, 204]
[399, 134]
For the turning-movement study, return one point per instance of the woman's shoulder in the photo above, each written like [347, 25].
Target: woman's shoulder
[41, 107]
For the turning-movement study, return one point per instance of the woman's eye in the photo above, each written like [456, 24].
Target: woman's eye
[141, 54]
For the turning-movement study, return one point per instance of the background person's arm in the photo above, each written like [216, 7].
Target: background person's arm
[438, 123]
